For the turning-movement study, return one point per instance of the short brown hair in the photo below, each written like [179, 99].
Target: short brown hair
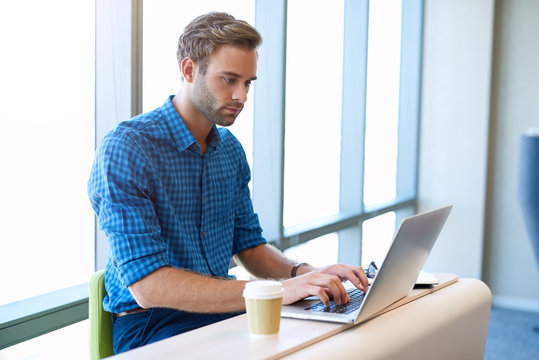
[202, 36]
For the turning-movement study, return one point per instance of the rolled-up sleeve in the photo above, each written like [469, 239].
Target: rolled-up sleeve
[120, 194]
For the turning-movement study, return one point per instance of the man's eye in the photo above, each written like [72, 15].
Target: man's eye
[248, 84]
[229, 80]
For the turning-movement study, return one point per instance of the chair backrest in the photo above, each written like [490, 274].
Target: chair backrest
[100, 320]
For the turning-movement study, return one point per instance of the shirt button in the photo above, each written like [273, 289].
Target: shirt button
[203, 233]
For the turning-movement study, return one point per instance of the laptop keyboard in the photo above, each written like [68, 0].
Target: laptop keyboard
[356, 299]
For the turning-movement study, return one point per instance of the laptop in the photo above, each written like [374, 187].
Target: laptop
[394, 280]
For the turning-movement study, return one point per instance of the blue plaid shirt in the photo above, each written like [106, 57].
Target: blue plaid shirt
[162, 203]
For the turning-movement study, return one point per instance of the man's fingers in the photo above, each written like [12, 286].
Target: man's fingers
[325, 285]
[363, 281]
[321, 294]
[355, 274]
[333, 286]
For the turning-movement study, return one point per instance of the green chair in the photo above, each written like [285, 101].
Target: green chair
[100, 320]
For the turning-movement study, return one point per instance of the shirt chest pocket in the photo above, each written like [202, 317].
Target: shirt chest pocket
[220, 184]
[219, 196]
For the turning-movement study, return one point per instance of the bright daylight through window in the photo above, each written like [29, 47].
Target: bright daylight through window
[313, 110]
[382, 112]
[382, 118]
[46, 145]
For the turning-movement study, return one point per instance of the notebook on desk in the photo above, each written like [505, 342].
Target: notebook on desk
[395, 279]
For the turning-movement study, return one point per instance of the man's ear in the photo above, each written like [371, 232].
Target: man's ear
[188, 69]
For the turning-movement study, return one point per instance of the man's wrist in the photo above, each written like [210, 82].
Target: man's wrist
[295, 269]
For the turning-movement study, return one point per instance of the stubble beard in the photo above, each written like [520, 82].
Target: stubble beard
[208, 105]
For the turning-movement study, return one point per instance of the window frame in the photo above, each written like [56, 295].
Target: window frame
[119, 96]
[268, 180]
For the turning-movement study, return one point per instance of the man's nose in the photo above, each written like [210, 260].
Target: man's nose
[240, 93]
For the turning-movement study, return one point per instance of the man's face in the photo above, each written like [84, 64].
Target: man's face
[221, 93]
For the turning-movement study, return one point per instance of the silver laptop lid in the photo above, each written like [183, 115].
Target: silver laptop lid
[408, 253]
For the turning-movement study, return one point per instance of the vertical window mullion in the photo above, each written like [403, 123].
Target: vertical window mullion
[409, 102]
[269, 109]
[410, 85]
[353, 124]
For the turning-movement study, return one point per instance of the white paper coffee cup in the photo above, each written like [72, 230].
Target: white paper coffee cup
[263, 300]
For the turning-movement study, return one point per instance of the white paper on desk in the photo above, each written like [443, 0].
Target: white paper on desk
[425, 278]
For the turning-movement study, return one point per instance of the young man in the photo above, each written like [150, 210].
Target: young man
[171, 192]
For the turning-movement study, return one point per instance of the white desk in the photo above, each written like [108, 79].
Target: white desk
[450, 323]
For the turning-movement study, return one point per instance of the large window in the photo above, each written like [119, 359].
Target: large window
[351, 120]
[314, 70]
[382, 110]
[46, 146]
[330, 130]
[47, 99]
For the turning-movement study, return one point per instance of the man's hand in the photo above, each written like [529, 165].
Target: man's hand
[325, 283]
[355, 274]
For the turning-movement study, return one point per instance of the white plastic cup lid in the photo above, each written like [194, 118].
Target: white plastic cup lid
[263, 289]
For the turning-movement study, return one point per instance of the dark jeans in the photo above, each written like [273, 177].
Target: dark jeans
[135, 330]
